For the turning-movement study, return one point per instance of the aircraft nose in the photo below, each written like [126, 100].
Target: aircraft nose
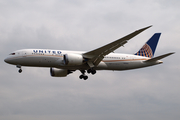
[10, 60]
[7, 60]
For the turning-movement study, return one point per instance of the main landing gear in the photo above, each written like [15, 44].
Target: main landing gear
[92, 71]
[19, 66]
[85, 77]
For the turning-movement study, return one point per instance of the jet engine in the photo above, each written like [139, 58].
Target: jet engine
[55, 72]
[73, 59]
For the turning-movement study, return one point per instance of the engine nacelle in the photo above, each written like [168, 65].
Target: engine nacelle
[55, 72]
[72, 59]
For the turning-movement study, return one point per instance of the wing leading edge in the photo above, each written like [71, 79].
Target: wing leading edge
[95, 56]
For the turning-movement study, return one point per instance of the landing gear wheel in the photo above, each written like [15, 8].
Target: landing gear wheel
[92, 71]
[89, 71]
[85, 77]
[20, 70]
[81, 76]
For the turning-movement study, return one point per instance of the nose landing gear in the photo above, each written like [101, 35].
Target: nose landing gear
[19, 66]
[20, 70]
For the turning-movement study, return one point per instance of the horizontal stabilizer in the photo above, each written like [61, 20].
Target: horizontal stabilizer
[159, 57]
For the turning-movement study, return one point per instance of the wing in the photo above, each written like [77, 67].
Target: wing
[95, 56]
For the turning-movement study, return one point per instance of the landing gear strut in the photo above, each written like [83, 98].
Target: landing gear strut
[19, 66]
[83, 76]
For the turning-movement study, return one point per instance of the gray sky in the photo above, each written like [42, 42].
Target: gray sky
[148, 93]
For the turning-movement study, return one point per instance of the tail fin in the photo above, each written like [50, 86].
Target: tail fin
[149, 48]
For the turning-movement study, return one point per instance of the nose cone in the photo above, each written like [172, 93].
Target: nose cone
[6, 60]
[9, 60]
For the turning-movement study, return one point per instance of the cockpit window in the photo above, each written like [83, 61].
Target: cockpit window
[12, 54]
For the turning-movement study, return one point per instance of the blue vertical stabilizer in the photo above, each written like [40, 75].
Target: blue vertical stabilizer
[149, 48]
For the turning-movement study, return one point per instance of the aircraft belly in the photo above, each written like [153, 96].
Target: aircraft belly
[122, 65]
[39, 61]
[118, 65]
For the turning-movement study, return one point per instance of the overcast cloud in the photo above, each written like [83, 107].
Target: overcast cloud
[148, 93]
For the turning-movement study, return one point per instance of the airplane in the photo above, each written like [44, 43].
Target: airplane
[63, 62]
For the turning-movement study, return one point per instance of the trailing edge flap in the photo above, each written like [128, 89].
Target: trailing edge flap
[159, 57]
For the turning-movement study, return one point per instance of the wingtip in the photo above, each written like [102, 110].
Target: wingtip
[144, 28]
[148, 27]
[172, 53]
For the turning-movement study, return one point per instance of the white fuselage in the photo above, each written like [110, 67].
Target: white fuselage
[54, 58]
